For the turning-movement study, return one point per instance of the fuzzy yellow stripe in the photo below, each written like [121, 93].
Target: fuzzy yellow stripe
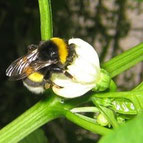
[62, 49]
[36, 77]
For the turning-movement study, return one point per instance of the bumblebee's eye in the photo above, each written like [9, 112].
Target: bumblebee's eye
[85, 70]
[53, 55]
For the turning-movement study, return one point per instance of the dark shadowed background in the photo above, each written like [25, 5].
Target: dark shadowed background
[110, 26]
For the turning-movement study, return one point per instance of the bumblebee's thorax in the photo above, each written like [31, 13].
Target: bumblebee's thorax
[48, 51]
[63, 49]
[54, 49]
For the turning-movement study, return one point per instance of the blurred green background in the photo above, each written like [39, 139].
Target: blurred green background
[110, 26]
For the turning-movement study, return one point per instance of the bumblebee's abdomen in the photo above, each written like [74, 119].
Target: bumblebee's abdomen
[36, 77]
[35, 82]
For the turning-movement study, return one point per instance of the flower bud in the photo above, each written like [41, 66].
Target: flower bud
[101, 120]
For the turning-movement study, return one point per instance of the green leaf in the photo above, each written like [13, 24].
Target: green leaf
[124, 61]
[123, 106]
[37, 136]
[130, 132]
[136, 97]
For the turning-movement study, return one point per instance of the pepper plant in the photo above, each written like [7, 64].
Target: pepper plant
[111, 108]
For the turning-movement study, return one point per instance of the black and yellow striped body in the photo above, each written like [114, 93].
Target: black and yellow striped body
[55, 49]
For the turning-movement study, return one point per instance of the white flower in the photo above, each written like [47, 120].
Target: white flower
[85, 70]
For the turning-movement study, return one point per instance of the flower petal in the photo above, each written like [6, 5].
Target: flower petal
[82, 71]
[69, 88]
[85, 50]
[85, 66]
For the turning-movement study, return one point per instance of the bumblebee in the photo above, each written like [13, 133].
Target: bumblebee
[35, 68]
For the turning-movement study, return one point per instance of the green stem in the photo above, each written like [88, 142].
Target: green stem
[46, 19]
[32, 119]
[85, 109]
[41, 113]
[139, 87]
[124, 61]
[89, 119]
[125, 94]
[87, 125]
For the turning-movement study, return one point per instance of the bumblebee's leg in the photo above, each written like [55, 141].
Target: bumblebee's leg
[31, 47]
[65, 73]
[68, 74]
[61, 70]
[48, 84]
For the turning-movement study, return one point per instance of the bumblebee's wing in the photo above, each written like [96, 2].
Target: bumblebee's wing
[20, 68]
[38, 64]
[26, 65]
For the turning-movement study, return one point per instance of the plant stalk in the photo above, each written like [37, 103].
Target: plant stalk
[46, 19]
